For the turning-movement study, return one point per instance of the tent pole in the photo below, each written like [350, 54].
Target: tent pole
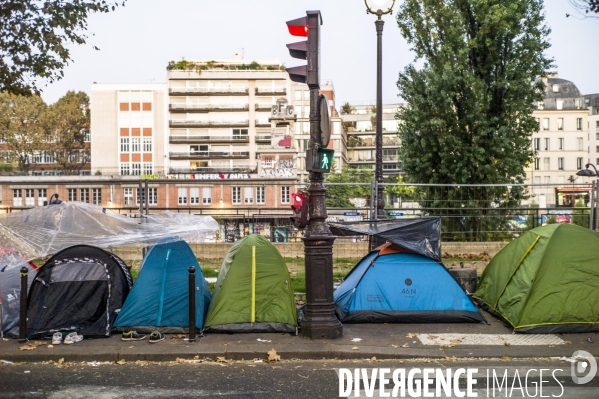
[192, 303]
[23, 310]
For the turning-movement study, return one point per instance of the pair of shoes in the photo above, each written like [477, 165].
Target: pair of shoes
[132, 336]
[73, 338]
[156, 337]
[57, 338]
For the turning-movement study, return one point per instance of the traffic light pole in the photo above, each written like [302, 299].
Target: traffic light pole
[319, 320]
[380, 199]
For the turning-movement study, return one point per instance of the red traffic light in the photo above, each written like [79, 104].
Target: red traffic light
[298, 198]
[298, 27]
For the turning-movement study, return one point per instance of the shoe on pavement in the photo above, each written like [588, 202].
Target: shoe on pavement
[132, 336]
[72, 338]
[57, 338]
[156, 337]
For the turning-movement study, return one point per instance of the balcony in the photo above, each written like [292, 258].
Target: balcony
[216, 169]
[262, 123]
[213, 91]
[263, 138]
[263, 107]
[207, 139]
[271, 91]
[210, 155]
[175, 108]
[192, 123]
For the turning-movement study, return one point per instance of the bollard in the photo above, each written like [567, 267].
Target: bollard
[23, 310]
[192, 303]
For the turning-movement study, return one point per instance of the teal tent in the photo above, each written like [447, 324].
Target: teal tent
[159, 299]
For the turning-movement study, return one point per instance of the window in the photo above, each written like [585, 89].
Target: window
[298, 95]
[537, 180]
[546, 163]
[560, 123]
[72, 194]
[537, 144]
[556, 88]
[285, 194]
[537, 163]
[579, 144]
[182, 195]
[546, 144]
[236, 195]
[578, 123]
[29, 197]
[560, 144]
[125, 170]
[260, 195]
[547, 179]
[41, 196]
[128, 197]
[199, 149]
[97, 196]
[239, 134]
[136, 169]
[152, 196]
[147, 144]
[596, 136]
[541, 105]
[597, 124]
[135, 144]
[248, 195]
[559, 104]
[560, 163]
[84, 195]
[578, 163]
[545, 123]
[194, 196]
[206, 195]
[124, 144]
[147, 168]
[17, 197]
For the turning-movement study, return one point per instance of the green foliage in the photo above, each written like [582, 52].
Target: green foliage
[402, 190]
[580, 217]
[347, 109]
[468, 117]
[338, 196]
[36, 36]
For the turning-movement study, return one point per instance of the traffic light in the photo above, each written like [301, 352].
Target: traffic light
[301, 209]
[320, 160]
[308, 26]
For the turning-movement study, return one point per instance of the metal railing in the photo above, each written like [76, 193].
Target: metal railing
[208, 107]
[215, 169]
[271, 90]
[208, 139]
[209, 154]
[239, 123]
[211, 90]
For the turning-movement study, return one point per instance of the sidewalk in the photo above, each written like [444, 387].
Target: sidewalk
[383, 341]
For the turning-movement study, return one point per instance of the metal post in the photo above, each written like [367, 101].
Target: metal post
[319, 320]
[380, 203]
[23, 310]
[139, 198]
[192, 303]
[592, 206]
[147, 197]
[596, 207]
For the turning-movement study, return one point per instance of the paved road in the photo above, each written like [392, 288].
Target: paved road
[287, 379]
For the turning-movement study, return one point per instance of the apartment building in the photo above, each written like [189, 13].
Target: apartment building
[560, 144]
[361, 137]
[591, 102]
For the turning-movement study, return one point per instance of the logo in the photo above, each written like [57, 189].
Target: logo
[408, 282]
[584, 367]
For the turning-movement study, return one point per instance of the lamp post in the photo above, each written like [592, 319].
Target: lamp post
[594, 197]
[379, 205]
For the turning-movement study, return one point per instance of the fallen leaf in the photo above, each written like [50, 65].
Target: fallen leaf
[452, 359]
[272, 356]
[455, 341]
[30, 346]
[178, 336]
[196, 357]
[405, 346]
[373, 359]
[447, 346]
[61, 360]
[355, 348]
[395, 346]
[410, 335]
[221, 359]
[506, 357]
[433, 336]
[506, 343]
[568, 342]
[121, 362]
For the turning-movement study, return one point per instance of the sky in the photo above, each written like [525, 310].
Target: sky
[137, 41]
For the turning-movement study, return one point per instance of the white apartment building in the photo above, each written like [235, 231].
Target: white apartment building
[591, 102]
[560, 144]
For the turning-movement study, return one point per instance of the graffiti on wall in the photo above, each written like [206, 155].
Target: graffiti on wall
[273, 168]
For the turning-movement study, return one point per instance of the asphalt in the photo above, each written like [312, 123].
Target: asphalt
[383, 341]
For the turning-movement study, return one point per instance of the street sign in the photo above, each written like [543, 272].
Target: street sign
[395, 213]
[351, 213]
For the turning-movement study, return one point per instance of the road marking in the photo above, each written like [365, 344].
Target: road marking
[490, 339]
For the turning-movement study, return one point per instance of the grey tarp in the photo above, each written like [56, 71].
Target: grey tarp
[419, 235]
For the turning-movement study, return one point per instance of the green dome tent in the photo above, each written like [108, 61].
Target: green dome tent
[545, 281]
[253, 291]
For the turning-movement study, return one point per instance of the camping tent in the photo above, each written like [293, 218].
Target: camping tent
[394, 285]
[80, 288]
[419, 235]
[545, 281]
[10, 294]
[159, 300]
[253, 290]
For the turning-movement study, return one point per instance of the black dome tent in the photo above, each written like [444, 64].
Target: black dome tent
[80, 288]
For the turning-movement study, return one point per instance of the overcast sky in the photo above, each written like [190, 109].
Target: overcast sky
[137, 41]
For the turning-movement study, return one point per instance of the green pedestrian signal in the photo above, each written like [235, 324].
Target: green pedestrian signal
[322, 162]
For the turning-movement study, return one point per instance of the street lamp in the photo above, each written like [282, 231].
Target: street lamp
[379, 205]
[587, 172]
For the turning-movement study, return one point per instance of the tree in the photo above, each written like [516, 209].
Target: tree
[468, 117]
[347, 109]
[584, 7]
[339, 196]
[35, 36]
[67, 122]
[21, 127]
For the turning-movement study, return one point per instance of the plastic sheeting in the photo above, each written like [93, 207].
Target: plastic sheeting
[42, 231]
[420, 235]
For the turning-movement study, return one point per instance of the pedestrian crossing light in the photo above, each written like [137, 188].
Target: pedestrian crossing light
[320, 160]
[301, 209]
